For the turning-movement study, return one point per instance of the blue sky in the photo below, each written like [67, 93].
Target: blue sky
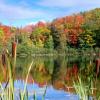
[22, 12]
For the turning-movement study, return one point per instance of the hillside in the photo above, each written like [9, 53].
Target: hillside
[80, 30]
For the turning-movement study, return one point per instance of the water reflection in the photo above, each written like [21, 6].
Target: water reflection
[57, 73]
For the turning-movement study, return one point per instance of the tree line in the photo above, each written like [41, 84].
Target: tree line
[80, 30]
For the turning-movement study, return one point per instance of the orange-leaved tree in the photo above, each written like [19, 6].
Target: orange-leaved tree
[5, 34]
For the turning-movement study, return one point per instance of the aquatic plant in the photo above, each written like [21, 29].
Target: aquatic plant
[8, 91]
[82, 89]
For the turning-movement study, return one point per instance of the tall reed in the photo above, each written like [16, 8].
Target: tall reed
[83, 90]
[7, 92]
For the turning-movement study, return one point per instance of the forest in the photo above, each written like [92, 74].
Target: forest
[52, 60]
[79, 31]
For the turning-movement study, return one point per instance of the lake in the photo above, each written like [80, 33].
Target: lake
[53, 77]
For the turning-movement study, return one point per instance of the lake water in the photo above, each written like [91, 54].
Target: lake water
[54, 76]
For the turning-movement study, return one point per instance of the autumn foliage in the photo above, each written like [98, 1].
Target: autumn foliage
[77, 30]
[5, 33]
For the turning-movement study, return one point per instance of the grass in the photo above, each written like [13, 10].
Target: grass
[7, 92]
[82, 89]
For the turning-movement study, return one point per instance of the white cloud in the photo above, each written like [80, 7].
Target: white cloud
[35, 22]
[69, 3]
[17, 12]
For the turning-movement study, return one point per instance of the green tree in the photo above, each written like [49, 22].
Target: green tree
[49, 43]
[86, 38]
[59, 37]
[97, 37]
[92, 22]
[39, 36]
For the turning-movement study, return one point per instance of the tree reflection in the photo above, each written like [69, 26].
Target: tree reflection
[60, 72]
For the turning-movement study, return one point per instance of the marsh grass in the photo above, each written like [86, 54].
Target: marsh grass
[83, 90]
[8, 91]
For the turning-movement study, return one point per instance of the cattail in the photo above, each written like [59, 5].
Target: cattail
[97, 66]
[4, 65]
[3, 59]
[14, 47]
